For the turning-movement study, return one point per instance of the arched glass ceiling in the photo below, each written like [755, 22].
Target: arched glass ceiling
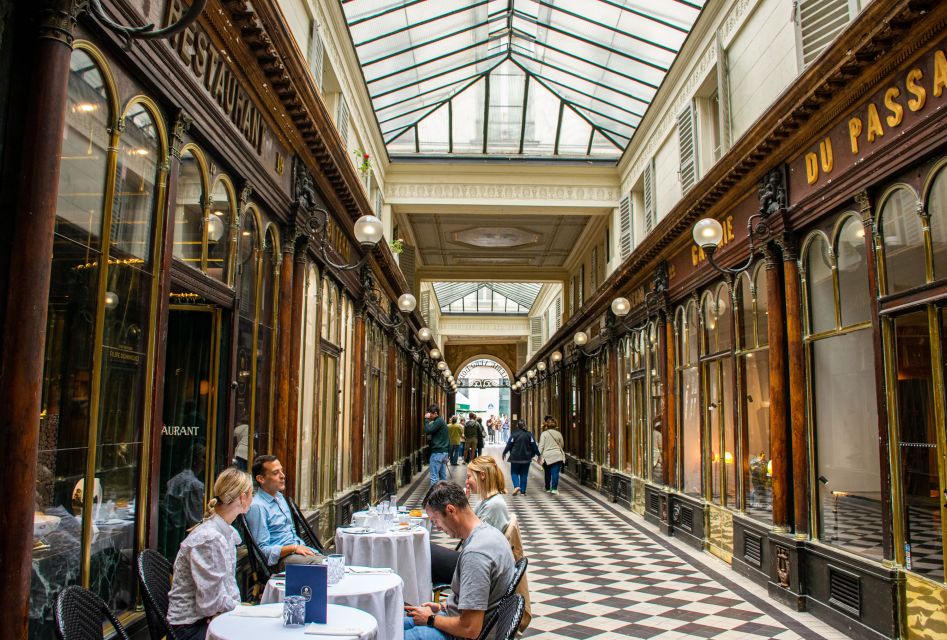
[486, 297]
[533, 78]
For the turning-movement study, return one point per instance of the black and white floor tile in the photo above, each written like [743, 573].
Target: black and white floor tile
[598, 571]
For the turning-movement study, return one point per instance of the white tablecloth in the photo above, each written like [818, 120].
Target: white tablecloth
[233, 627]
[408, 553]
[379, 594]
[425, 519]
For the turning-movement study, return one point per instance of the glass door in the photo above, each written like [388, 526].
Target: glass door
[188, 424]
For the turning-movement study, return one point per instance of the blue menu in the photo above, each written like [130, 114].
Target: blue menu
[311, 582]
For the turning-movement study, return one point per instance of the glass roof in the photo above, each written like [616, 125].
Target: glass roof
[515, 77]
[486, 297]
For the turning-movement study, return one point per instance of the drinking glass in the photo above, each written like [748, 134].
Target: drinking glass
[393, 502]
[384, 506]
[294, 611]
[335, 567]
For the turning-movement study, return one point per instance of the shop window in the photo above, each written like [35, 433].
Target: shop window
[937, 210]
[753, 361]
[841, 374]
[902, 234]
[820, 285]
[309, 397]
[189, 209]
[852, 265]
[248, 263]
[718, 399]
[73, 305]
[223, 211]
[689, 384]
[135, 174]
[266, 343]
[651, 346]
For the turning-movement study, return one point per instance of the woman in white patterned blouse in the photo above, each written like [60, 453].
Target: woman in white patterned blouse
[204, 583]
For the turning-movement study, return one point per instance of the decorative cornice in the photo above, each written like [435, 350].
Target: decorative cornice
[58, 19]
[532, 193]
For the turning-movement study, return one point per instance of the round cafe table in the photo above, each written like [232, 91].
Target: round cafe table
[266, 621]
[364, 588]
[408, 553]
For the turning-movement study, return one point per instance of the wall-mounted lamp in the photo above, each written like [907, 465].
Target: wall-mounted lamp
[556, 357]
[368, 232]
[435, 354]
[708, 234]
[424, 334]
[441, 366]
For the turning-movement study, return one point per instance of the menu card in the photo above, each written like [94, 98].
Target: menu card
[311, 582]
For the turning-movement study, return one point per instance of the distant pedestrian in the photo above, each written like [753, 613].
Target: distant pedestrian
[521, 449]
[482, 435]
[435, 427]
[505, 429]
[551, 448]
[455, 432]
[471, 436]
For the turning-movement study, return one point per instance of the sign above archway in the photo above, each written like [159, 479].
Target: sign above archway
[492, 364]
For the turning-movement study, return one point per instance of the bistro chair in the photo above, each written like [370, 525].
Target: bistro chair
[80, 615]
[154, 577]
[260, 573]
[303, 530]
[519, 570]
[505, 619]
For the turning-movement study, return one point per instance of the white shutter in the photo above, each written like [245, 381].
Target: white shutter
[593, 277]
[378, 202]
[535, 334]
[408, 263]
[426, 307]
[723, 98]
[558, 312]
[625, 231]
[316, 54]
[649, 210]
[342, 120]
[687, 144]
[820, 21]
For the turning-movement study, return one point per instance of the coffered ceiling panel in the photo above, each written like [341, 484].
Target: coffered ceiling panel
[447, 240]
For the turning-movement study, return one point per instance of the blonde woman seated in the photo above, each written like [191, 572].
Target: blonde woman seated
[485, 479]
[204, 583]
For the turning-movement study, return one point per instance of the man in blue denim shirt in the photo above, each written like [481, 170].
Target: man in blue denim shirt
[270, 521]
[435, 427]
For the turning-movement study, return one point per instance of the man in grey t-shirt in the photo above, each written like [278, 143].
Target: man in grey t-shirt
[484, 570]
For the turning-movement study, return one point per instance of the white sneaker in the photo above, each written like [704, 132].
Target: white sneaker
[516, 490]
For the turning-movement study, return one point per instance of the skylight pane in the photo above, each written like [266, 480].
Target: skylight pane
[404, 143]
[433, 132]
[468, 119]
[574, 134]
[507, 83]
[542, 114]
[602, 147]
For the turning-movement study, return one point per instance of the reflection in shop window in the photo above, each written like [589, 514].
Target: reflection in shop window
[902, 234]
[844, 428]
[691, 441]
[189, 209]
[937, 210]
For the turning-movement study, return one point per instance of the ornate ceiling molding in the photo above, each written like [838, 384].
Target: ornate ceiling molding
[558, 195]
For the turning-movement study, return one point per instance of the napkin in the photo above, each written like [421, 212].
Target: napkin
[367, 570]
[326, 630]
[248, 611]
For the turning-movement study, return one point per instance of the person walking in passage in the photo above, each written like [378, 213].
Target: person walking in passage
[481, 435]
[204, 582]
[552, 453]
[455, 433]
[521, 450]
[471, 437]
[435, 427]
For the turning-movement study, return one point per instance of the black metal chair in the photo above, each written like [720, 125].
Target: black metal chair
[506, 618]
[259, 570]
[81, 615]
[519, 570]
[303, 530]
[154, 577]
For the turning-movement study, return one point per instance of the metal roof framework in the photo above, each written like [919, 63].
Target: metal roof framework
[494, 298]
[531, 78]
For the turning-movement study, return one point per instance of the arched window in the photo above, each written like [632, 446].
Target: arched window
[843, 426]
[689, 404]
[265, 342]
[753, 364]
[75, 302]
[191, 194]
[937, 211]
[717, 364]
[902, 238]
[222, 213]
[310, 454]
[248, 265]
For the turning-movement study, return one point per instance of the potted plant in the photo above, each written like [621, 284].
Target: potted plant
[397, 246]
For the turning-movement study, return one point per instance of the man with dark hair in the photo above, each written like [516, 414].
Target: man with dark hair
[270, 520]
[435, 427]
[484, 570]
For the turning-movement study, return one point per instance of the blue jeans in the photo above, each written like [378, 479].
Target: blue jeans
[412, 632]
[455, 452]
[438, 467]
[520, 473]
[554, 470]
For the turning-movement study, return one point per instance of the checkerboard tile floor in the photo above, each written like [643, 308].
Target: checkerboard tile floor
[598, 571]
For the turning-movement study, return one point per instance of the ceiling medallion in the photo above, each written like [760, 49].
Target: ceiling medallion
[496, 237]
